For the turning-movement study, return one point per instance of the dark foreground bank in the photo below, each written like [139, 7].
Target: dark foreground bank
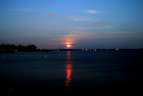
[69, 73]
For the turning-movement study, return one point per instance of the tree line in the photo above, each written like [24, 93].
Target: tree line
[17, 48]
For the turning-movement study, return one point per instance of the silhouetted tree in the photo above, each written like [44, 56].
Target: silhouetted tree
[20, 48]
[17, 48]
[31, 48]
[7, 48]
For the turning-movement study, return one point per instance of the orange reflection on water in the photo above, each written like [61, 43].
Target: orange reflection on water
[68, 70]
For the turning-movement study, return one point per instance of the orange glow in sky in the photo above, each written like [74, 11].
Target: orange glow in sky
[68, 41]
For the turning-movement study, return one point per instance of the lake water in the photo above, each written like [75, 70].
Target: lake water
[68, 73]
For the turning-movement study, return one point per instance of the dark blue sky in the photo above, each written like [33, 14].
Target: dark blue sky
[87, 23]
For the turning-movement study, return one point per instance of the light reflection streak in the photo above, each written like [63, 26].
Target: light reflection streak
[68, 70]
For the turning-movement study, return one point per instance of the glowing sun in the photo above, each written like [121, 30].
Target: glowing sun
[68, 46]
[68, 41]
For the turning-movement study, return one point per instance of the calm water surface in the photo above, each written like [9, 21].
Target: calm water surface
[68, 72]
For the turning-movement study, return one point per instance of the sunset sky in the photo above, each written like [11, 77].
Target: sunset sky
[82, 23]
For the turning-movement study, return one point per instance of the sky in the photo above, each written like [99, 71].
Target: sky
[80, 23]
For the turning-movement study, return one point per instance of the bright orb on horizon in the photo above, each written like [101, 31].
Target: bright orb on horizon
[68, 46]
[68, 41]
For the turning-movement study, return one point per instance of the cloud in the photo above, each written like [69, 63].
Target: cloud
[93, 11]
[77, 18]
[24, 10]
[51, 14]
[95, 25]
[120, 39]
[102, 25]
